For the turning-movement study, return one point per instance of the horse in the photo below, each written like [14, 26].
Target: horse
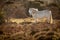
[43, 14]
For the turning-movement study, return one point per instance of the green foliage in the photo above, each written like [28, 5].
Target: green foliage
[35, 5]
[1, 18]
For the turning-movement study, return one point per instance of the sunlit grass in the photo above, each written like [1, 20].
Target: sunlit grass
[21, 20]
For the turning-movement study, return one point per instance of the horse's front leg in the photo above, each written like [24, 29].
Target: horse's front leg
[37, 20]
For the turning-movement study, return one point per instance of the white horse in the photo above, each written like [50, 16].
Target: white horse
[41, 14]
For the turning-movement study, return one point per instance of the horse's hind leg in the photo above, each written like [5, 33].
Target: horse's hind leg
[51, 20]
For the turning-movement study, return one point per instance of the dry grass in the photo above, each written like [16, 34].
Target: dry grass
[30, 31]
[29, 19]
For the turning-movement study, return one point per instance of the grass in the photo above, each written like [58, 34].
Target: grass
[30, 31]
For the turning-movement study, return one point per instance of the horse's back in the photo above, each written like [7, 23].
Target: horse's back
[41, 14]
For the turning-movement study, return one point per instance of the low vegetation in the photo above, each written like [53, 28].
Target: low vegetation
[30, 31]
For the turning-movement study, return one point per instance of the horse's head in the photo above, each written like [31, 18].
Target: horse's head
[32, 10]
